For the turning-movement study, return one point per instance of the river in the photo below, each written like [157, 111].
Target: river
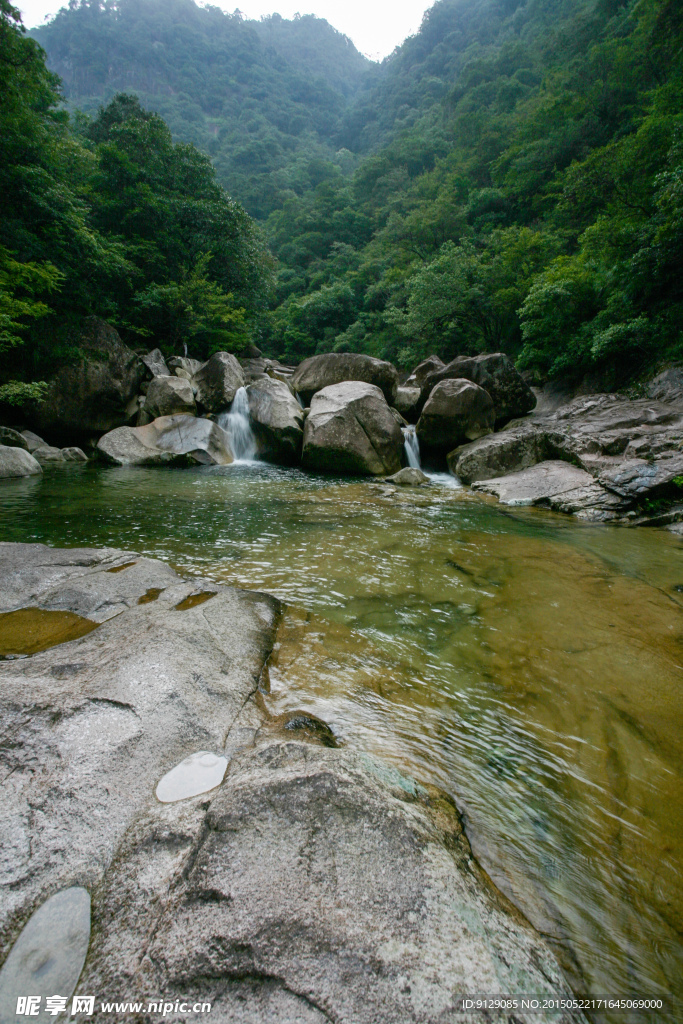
[529, 664]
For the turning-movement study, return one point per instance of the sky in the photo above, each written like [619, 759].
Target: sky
[375, 26]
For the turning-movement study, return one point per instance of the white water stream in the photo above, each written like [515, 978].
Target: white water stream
[236, 423]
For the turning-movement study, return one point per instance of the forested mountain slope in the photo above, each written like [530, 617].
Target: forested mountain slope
[523, 191]
[262, 98]
[510, 178]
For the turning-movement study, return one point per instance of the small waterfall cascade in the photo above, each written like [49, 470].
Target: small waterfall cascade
[236, 423]
[412, 446]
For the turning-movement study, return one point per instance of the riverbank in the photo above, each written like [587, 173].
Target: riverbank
[505, 655]
[315, 883]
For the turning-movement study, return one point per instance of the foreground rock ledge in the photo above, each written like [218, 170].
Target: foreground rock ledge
[313, 885]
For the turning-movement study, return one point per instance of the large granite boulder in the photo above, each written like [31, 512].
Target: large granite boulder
[456, 411]
[48, 454]
[432, 364]
[351, 429]
[496, 374]
[156, 364]
[321, 371]
[33, 441]
[510, 451]
[91, 394]
[640, 478]
[176, 439]
[277, 420]
[408, 402]
[310, 884]
[186, 364]
[558, 486]
[218, 381]
[17, 462]
[13, 439]
[169, 395]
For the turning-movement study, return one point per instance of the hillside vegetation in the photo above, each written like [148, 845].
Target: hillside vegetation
[262, 98]
[510, 178]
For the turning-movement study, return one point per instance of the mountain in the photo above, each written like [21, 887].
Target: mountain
[508, 179]
[262, 98]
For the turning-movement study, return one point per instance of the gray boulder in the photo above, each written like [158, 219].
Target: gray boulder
[351, 429]
[185, 363]
[496, 374]
[407, 402]
[13, 439]
[277, 420]
[17, 462]
[510, 451]
[177, 439]
[638, 478]
[169, 395]
[456, 411]
[218, 381]
[409, 476]
[33, 441]
[558, 486]
[74, 455]
[90, 395]
[321, 371]
[432, 364]
[48, 454]
[156, 364]
[668, 385]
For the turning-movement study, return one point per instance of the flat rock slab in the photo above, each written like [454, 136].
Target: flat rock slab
[312, 885]
[88, 728]
[320, 886]
[556, 485]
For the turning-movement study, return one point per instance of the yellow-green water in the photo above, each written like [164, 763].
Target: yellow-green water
[530, 665]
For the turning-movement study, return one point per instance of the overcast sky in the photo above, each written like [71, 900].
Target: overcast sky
[375, 26]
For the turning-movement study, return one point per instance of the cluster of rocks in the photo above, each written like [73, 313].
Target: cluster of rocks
[23, 453]
[601, 457]
[312, 883]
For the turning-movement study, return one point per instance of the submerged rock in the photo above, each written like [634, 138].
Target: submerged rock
[456, 411]
[351, 429]
[313, 884]
[496, 374]
[17, 462]
[48, 454]
[321, 371]
[218, 381]
[167, 396]
[167, 439]
[277, 421]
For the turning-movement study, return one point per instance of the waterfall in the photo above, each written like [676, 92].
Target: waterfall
[236, 423]
[412, 446]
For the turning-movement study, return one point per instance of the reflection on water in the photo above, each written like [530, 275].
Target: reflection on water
[528, 664]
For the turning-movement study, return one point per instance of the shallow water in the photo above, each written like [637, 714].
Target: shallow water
[29, 630]
[529, 664]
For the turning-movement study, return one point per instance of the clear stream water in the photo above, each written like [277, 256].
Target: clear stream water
[530, 665]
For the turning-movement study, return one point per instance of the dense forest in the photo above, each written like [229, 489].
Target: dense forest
[510, 178]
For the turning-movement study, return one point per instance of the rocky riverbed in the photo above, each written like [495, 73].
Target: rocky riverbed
[601, 457]
[312, 884]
